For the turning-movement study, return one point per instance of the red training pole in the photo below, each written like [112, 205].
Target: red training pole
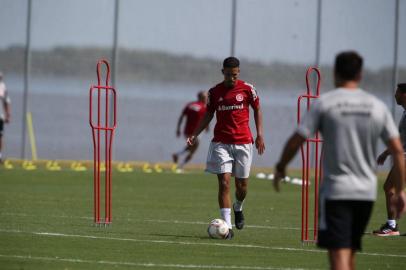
[97, 130]
[306, 164]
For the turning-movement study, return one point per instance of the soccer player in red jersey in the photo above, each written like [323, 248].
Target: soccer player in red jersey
[194, 113]
[230, 152]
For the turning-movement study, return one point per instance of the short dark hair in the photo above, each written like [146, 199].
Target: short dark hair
[231, 62]
[402, 87]
[201, 94]
[348, 65]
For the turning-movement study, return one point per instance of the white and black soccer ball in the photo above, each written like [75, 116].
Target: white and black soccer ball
[218, 229]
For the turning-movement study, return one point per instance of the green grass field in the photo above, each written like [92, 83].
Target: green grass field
[160, 222]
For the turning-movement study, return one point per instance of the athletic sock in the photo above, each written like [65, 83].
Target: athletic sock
[226, 215]
[238, 205]
[392, 223]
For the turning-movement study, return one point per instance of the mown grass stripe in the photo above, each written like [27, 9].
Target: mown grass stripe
[55, 234]
[149, 264]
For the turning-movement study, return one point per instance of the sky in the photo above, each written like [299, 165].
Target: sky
[267, 30]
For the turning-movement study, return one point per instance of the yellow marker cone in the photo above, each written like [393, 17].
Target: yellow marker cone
[29, 165]
[8, 165]
[174, 168]
[77, 166]
[124, 167]
[157, 168]
[129, 167]
[146, 168]
[102, 167]
[52, 166]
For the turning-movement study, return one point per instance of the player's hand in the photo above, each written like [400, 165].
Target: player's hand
[399, 201]
[191, 140]
[278, 176]
[259, 144]
[381, 158]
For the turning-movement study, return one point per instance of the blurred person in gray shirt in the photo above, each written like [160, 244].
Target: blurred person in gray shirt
[351, 122]
[5, 114]
[390, 228]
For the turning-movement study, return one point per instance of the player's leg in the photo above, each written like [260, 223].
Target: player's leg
[190, 149]
[175, 158]
[242, 166]
[219, 162]
[224, 190]
[224, 199]
[389, 189]
[390, 228]
[352, 259]
[341, 259]
[241, 189]
[176, 155]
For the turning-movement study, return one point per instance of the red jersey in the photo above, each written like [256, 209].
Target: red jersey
[194, 112]
[232, 112]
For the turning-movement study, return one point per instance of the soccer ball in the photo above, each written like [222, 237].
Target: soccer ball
[218, 228]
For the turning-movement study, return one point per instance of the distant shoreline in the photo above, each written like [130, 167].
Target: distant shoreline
[147, 66]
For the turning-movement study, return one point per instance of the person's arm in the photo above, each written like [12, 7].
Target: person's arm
[288, 152]
[395, 148]
[382, 157]
[202, 125]
[179, 124]
[7, 112]
[259, 141]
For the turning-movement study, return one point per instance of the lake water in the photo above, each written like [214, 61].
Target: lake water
[147, 114]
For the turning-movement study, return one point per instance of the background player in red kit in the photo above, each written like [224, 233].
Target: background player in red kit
[230, 151]
[194, 113]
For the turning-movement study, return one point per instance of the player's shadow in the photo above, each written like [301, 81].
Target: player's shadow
[180, 236]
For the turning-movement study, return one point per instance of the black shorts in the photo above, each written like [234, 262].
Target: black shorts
[342, 223]
[1, 127]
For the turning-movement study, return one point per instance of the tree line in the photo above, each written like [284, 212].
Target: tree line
[144, 65]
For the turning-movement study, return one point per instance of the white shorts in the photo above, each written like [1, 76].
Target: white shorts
[229, 158]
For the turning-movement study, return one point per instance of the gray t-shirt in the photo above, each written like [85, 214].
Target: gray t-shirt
[350, 122]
